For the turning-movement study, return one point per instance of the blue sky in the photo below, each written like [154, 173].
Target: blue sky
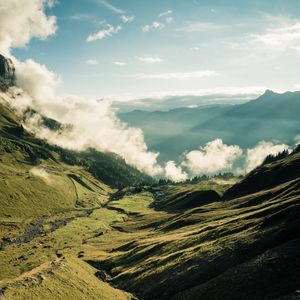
[134, 48]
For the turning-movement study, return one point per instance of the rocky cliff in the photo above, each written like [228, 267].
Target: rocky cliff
[7, 73]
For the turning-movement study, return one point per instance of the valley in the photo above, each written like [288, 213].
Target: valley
[149, 150]
[88, 226]
[126, 245]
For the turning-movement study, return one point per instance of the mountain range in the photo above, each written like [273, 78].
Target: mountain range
[271, 117]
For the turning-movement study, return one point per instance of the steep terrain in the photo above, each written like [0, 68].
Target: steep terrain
[183, 242]
[243, 248]
[270, 117]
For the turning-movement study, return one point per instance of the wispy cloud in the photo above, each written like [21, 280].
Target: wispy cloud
[201, 27]
[150, 60]
[284, 36]
[167, 15]
[154, 25]
[178, 76]
[100, 35]
[111, 7]
[119, 63]
[127, 19]
[92, 62]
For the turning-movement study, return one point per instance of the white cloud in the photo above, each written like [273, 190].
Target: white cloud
[179, 75]
[154, 25]
[22, 20]
[282, 36]
[36, 80]
[119, 63]
[92, 62]
[111, 7]
[167, 15]
[201, 27]
[256, 155]
[100, 35]
[127, 19]
[214, 157]
[175, 173]
[94, 124]
[150, 60]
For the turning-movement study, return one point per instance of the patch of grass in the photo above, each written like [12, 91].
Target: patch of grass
[72, 279]
[138, 203]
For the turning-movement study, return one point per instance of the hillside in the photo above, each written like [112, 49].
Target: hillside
[270, 117]
[45, 188]
[169, 242]
[66, 232]
[243, 248]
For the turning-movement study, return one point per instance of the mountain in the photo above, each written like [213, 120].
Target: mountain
[270, 117]
[40, 168]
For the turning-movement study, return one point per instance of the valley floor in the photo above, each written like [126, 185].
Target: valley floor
[148, 245]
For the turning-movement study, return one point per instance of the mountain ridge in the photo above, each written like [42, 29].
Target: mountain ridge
[271, 117]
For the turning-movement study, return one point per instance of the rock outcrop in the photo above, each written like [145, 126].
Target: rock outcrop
[7, 73]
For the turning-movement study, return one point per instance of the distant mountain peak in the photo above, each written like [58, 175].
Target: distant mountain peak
[269, 92]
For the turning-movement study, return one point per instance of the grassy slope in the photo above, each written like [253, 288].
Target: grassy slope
[148, 243]
[245, 248]
[67, 279]
[48, 206]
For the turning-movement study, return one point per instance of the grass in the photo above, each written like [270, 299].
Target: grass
[134, 203]
[72, 279]
[204, 249]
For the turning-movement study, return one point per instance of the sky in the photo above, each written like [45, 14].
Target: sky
[128, 49]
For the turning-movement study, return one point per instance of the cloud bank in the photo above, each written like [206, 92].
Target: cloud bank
[257, 155]
[94, 123]
[217, 157]
[214, 157]
[175, 173]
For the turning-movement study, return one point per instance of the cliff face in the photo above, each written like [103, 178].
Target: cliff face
[7, 73]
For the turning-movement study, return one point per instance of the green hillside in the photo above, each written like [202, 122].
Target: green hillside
[67, 232]
[169, 242]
